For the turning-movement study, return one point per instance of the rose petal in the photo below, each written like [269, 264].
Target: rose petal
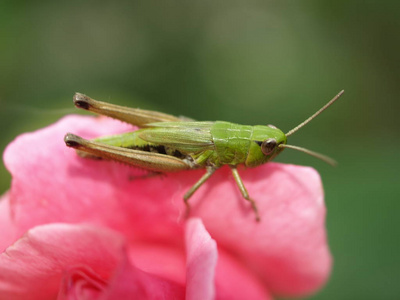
[33, 267]
[201, 261]
[160, 258]
[130, 282]
[81, 283]
[209, 278]
[288, 248]
[51, 183]
[8, 230]
[235, 281]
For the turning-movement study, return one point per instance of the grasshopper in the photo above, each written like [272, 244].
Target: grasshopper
[165, 143]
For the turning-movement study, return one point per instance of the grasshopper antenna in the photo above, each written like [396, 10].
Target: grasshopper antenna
[320, 156]
[316, 114]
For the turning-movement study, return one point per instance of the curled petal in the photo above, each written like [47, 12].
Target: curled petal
[81, 283]
[216, 275]
[34, 266]
[130, 282]
[201, 253]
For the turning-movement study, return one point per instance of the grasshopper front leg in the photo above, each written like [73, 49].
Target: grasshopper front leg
[244, 192]
[189, 193]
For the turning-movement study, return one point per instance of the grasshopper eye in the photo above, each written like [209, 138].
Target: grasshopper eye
[268, 146]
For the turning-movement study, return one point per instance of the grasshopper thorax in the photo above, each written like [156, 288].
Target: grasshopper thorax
[265, 145]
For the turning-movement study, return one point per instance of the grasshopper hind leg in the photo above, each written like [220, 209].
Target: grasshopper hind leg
[134, 116]
[147, 160]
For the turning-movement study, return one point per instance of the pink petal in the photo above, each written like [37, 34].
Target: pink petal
[34, 266]
[201, 261]
[288, 248]
[52, 184]
[8, 230]
[130, 282]
[209, 278]
[160, 258]
[81, 283]
[235, 281]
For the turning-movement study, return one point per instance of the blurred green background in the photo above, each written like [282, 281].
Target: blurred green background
[250, 62]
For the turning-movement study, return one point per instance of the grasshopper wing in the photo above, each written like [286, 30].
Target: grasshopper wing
[187, 137]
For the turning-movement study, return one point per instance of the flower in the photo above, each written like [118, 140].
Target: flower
[75, 228]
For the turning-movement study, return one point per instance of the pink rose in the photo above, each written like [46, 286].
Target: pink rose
[74, 228]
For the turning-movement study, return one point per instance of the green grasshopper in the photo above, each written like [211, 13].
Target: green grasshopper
[165, 143]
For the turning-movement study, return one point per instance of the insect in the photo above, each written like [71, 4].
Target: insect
[165, 143]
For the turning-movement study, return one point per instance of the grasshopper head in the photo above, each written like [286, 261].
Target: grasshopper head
[266, 141]
[271, 141]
